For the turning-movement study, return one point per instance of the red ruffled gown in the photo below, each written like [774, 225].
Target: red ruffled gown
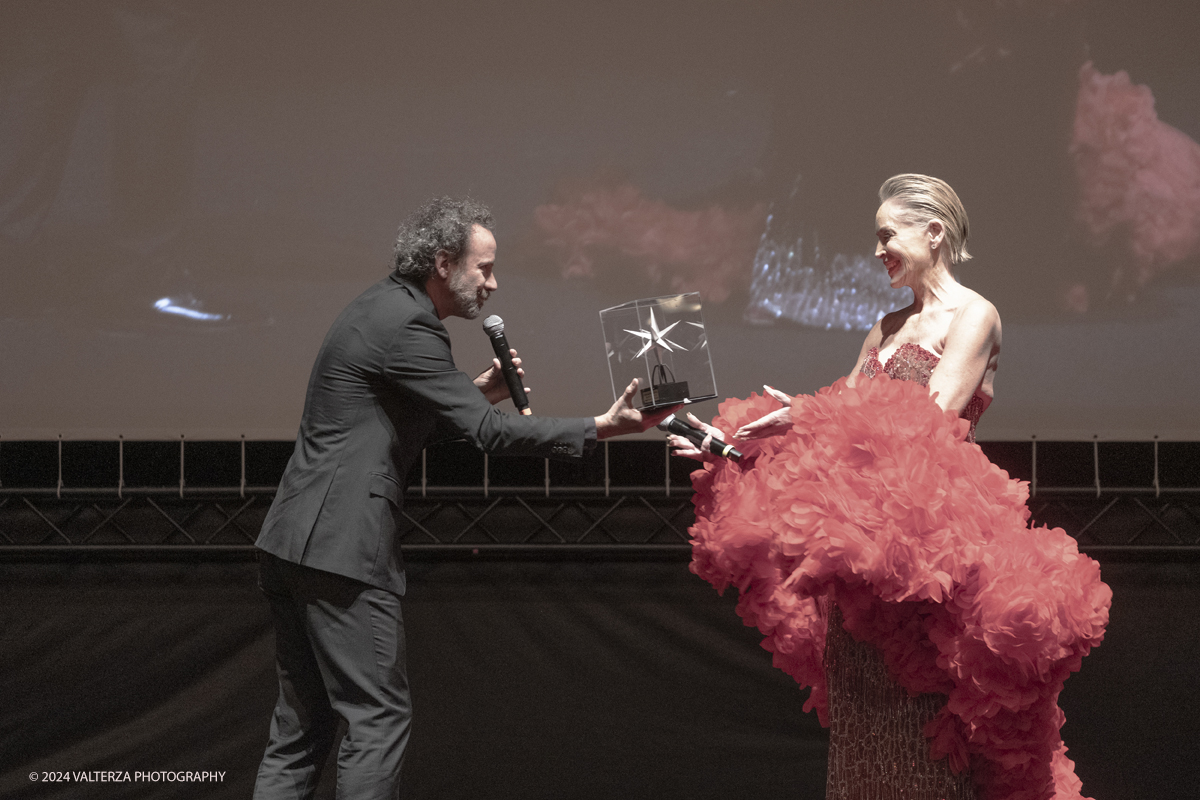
[951, 623]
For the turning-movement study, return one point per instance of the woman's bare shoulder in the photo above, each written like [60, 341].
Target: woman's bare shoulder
[975, 309]
[976, 318]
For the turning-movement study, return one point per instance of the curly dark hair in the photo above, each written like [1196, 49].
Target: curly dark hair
[441, 224]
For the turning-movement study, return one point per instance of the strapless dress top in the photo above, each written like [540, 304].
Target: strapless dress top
[911, 362]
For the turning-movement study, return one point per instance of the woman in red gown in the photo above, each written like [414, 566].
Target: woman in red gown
[888, 563]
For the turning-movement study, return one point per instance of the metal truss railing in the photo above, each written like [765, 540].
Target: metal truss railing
[636, 522]
[440, 522]
[1128, 523]
[537, 522]
[81, 523]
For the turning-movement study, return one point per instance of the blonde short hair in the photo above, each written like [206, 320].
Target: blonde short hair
[926, 199]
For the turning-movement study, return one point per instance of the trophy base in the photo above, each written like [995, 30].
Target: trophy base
[665, 394]
[689, 401]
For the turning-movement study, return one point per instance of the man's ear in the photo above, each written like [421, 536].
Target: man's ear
[442, 264]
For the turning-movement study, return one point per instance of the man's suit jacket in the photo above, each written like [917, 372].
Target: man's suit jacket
[383, 386]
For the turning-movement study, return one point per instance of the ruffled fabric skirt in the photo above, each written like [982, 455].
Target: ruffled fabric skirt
[875, 495]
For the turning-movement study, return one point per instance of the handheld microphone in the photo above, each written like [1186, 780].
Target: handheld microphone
[674, 425]
[493, 326]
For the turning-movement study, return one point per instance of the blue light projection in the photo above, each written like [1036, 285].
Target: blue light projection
[179, 306]
[847, 293]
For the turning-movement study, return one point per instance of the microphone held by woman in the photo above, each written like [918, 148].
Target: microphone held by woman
[673, 424]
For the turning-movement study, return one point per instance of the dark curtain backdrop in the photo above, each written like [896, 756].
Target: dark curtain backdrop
[530, 680]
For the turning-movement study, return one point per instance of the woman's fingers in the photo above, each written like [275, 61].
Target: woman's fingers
[786, 399]
[678, 442]
[773, 424]
[684, 447]
[748, 431]
[713, 432]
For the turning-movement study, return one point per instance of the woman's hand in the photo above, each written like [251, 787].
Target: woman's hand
[697, 452]
[776, 423]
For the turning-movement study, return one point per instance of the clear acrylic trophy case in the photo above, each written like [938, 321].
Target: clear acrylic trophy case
[661, 342]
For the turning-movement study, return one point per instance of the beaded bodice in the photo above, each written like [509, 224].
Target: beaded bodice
[911, 362]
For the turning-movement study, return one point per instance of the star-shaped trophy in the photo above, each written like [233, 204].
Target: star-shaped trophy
[662, 342]
[655, 338]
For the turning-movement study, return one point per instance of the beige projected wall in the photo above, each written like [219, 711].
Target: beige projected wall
[191, 192]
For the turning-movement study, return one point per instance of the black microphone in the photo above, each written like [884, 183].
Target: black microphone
[493, 326]
[680, 428]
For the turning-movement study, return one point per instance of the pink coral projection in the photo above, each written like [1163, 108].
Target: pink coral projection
[707, 251]
[1138, 177]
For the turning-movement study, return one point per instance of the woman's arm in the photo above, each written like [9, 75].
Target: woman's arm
[779, 421]
[874, 339]
[970, 356]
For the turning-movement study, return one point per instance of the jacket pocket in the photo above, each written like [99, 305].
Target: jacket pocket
[383, 485]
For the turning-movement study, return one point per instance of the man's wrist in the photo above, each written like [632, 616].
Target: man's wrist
[604, 427]
[589, 435]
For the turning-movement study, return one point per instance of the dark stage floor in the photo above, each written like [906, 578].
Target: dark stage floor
[530, 680]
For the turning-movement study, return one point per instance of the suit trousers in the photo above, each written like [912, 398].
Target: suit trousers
[339, 647]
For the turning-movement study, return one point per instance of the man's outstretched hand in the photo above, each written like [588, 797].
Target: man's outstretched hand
[623, 418]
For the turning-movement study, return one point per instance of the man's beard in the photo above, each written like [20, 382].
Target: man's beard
[468, 303]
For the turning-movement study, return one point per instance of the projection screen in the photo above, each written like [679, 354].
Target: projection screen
[191, 192]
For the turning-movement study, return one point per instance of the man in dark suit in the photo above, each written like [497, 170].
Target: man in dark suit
[383, 386]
